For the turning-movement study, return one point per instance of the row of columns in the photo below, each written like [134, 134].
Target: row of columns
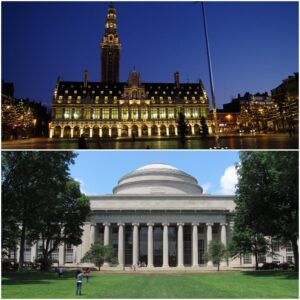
[180, 242]
[51, 131]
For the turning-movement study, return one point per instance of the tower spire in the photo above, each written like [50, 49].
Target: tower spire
[110, 48]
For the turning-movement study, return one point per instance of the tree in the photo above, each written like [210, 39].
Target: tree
[98, 254]
[29, 181]
[245, 241]
[62, 221]
[267, 195]
[216, 252]
[182, 127]
[204, 127]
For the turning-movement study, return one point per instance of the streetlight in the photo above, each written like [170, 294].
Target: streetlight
[211, 81]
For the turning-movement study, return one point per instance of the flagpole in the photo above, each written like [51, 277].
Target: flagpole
[211, 81]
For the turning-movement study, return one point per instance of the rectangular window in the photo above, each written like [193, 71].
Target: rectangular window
[215, 229]
[262, 259]
[162, 113]
[289, 259]
[77, 113]
[55, 255]
[247, 259]
[115, 113]
[289, 247]
[87, 113]
[96, 113]
[171, 113]
[58, 113]
[68, 113]
[124, 112]
[144, 112]
[105, 113]
[275, 245]
[27, 252]
[195, 113]
[187, 112]
[201, 251]
[134, 113]
[153, 113]
[68, 253]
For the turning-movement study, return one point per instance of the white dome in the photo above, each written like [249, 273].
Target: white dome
[159, 179]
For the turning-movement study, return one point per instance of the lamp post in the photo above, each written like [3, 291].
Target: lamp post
[211, 81]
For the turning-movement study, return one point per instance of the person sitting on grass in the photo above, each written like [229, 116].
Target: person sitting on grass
[78, 282]
[60, 272]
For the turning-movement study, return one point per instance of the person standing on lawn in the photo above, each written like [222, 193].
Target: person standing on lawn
[79, 276]
[87, 274]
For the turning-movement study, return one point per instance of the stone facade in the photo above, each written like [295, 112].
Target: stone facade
[158, 216]
[124, 109]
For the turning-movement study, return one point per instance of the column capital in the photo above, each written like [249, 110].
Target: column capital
[150, 224]
[93, 224]
[195, 224]
[135, 224]
[165, 224]
[209, 224]
[106, 224]
[121, 224]
[180, 224]
[223, 224]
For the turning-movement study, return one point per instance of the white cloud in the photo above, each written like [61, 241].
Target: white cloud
[83, 188]
[206, 186]
[228, 181]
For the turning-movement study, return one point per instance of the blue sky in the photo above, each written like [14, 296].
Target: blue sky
[254, 45]
[99, 171]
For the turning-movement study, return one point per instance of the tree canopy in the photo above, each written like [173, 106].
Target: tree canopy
[267, 195]
[36, 190]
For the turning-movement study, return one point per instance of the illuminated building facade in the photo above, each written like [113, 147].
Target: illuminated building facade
[122, 109]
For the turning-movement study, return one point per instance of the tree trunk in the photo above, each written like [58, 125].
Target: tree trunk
[218, 267]
[256, 260]
[99, 267]
[296, 254]
[22, 247]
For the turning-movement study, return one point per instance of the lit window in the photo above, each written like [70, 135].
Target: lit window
[155, 92]
[102, 92]
[97, 99]
[77, 113]
[164, 92]
[124, 112]
[60, 97]
[152, 98]
[84, 91]
[93, 92]
[68, 113]
[58, 113]
[162, 113]
[96, 113]
[134, 113]
[171, 113]
[110, 92]
[153, 113]
[105, 113]
[115, 113]
[144, 112]
[87, 114]
[66, 91]
[75, 92]
[195, 113]
[187, 93]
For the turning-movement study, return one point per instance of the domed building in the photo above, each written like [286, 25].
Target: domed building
[158, 216]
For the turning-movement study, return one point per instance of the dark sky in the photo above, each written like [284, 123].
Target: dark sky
[254, 45]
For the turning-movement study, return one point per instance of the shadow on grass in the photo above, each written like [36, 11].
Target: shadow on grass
[33, 277]
[290, 275]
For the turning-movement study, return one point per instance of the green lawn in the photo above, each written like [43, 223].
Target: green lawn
[263, 284]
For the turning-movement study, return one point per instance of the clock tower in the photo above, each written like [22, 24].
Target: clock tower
[110, 49]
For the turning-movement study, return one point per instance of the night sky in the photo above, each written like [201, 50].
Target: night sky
[254, 45]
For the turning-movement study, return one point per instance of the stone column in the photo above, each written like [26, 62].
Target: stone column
[195, 262]
[158, 131]
[165, 245]
[135, 244]
[121, 245]
[61, 254]
[72, 132]
[223, 239]
[100, 131]
[106, 233]
[150, 245]
[51, 133]
[119, 131]
[62, 133]
[129, 131]
[149, 131]
[180, 244]
[209, 239]
[109, 131]
[139, 131]
[176, 130]
[193, 129]
[167, 131]
[91, 132]
[106, 239]
[92, 233]
[81, 131]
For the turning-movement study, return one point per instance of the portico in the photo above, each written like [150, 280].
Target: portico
[158, 216]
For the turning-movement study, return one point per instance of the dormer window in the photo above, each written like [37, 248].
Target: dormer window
[75, 92]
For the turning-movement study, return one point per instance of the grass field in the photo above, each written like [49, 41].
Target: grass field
[262, 284]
